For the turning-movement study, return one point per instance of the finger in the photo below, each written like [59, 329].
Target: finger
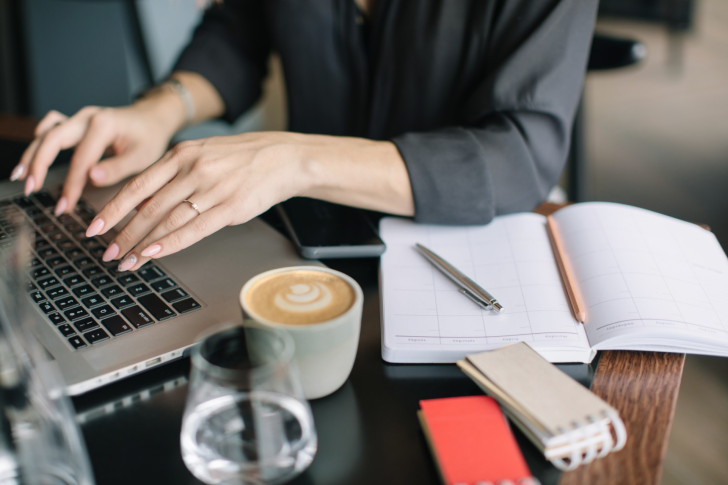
[20, 172]
[49, 121]
[163, 206]
[133, 193]
[115, 169]
[58, 138]
[99, 135]
[199, 227]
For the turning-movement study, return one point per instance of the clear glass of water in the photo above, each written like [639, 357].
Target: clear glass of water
[246, 420]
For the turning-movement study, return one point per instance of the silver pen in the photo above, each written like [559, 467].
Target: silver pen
[468, 287]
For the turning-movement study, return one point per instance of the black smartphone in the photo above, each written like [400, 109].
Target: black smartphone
[322, 230]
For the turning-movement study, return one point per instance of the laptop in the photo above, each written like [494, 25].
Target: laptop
[101, 325]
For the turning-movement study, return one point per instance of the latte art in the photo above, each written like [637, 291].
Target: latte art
[300, 297]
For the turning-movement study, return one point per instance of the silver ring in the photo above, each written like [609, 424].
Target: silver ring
[194, 206]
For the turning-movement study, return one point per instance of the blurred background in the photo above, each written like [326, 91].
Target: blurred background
[652, 134]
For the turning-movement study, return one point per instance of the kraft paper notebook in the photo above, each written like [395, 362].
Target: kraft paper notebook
[567, 423]
[646, 281]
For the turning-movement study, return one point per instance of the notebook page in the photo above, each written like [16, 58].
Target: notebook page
[646, 278]
[426, 318]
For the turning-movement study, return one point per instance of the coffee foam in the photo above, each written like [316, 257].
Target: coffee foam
[300, 297]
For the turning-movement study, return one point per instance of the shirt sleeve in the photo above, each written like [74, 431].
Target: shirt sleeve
[512, 151]
[230, 49]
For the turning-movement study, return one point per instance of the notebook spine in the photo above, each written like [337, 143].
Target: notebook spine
[612, 439]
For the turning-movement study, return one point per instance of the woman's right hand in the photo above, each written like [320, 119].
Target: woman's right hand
[136, 136]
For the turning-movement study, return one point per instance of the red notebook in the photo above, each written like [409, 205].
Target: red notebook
[472, 442]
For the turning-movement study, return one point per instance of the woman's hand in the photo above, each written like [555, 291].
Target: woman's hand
[234, 178]
[136, 136]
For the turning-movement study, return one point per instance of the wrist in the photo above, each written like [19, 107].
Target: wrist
[164, 110]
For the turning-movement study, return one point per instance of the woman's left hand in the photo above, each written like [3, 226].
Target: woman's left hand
[231, 179]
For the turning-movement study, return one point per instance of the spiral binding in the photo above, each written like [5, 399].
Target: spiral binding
[582, 454]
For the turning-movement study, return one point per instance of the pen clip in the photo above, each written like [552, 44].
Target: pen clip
[476, 299]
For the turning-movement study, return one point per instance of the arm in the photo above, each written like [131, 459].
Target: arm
[516, 123]
[139, 134]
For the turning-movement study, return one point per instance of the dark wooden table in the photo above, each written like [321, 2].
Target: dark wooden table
[368, 430]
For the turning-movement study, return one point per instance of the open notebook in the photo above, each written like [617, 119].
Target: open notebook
[647, 282]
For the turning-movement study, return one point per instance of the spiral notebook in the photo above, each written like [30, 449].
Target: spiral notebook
[646, 282]
[566, 421]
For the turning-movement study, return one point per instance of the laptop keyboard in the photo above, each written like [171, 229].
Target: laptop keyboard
[87, 300]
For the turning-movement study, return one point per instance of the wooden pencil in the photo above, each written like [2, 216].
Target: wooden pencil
[566, 273]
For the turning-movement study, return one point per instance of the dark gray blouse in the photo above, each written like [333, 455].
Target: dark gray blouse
[477, 95]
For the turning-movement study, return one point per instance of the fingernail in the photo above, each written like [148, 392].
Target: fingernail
[128, 263]
[61, 206]
[97, 173]
[151, 250]
[111, 252]
[17, 172]
[95, 227]
[29, 185]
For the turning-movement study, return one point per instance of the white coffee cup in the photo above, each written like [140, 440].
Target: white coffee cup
[324, 351]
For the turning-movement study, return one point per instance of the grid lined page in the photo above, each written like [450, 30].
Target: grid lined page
[645, 274]
[511, 258]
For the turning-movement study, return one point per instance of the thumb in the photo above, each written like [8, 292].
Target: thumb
[115, 169]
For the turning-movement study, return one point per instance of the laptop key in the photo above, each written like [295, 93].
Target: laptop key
[84, 290]
[97, 251]
[137, 317]
[46, 253]
[163, 285]
[96, 336]
[151, 273]
[79, 235]
[101, 281]
[186, 305]
[138, 289]
[174, 295]
[56, 318]
[112, 291]
[41, 219]
[64, 271]
[30, 286]
[64, 244]
[122, 302]
[92, 301]
[45, 198]
[116, 325]
[74, 252]
[127, 279]
[40, 243]
[103, 311]
[75, 313]
[76, 342]
[66, 302]
[37, 296]
[93, 271]
[40, 272]
[56, 261]
[54, 293]
[47, 307]
[24, 202]
[65, 218]
[74, 226]
[47, 282]
[49, 228]
[156, 307]
[66, 330]
[89, 243]
[83, 262]
[35, 262]
[56, 236]
[85, 324]
[73, 281]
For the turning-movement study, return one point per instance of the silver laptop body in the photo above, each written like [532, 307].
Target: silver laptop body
[212, 272]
